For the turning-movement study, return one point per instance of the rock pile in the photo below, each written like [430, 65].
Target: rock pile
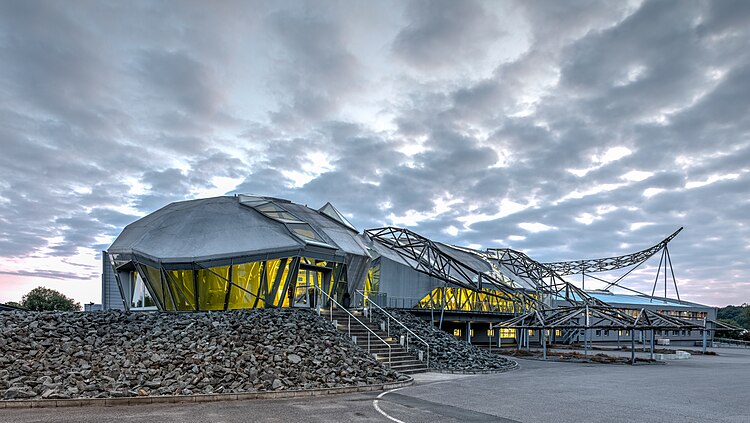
[55, 355]
[446, 351]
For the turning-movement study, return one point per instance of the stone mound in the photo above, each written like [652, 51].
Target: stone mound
[447, 352]
[54, 355]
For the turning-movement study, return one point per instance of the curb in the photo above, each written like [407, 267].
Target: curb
[477, 372]
[171, 399]
[580, 361]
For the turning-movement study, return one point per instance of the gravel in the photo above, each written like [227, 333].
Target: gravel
[447, 353]
[56, 355]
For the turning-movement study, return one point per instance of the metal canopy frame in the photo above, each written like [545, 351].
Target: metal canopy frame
[424, 255]
[596, 317]
[588, 266]
[543, 279]
[584, 312]
[576, 267]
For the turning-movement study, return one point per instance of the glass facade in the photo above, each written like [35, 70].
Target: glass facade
[141, 297]
[463, 299]
[372, 282]
[283, 282]
[507, 333]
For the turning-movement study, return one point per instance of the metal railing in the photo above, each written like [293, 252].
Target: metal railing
[438, 304]
[388, 324]
[350, 316]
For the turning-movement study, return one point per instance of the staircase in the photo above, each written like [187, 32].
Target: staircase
[402, 361]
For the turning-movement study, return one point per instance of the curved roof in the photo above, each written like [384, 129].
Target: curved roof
[225, 227]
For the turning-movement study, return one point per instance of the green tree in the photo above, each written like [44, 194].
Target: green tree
[44, 299]
[13, 304]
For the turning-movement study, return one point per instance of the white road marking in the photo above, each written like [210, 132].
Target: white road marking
[379, 410]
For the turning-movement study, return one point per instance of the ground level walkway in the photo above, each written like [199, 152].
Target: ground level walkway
[700, 389]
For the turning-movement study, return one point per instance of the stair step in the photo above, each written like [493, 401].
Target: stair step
[413, 371]
[395, 357]
[401, 368]
[401, 360]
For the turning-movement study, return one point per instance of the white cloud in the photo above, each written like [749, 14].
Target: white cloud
[710, 180]
[451, 230]
[535, 227]
[637, 175]
[650, 192]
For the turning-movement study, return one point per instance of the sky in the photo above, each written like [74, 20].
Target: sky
[567, 130]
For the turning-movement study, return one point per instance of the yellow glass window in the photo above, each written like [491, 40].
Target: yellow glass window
[507, 333]
[182, 285]
[456, 332]
[157, 285]
[272, 269]
[468, 300]
[490, 332]
[246, 280]
[212, 288]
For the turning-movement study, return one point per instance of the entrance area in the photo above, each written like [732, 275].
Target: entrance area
[308, 278]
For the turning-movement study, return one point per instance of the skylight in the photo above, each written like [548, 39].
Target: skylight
[331, 211]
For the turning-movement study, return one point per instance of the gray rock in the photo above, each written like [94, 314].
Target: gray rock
[165, 353]
[16, 393]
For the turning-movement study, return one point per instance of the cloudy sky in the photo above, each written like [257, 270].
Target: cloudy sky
[566, 129]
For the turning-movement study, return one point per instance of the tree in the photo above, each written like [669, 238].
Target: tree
[13, 304]
[44, 299]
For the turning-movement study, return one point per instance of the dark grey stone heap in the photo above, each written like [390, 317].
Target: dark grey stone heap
[56, 355]
[447, 353]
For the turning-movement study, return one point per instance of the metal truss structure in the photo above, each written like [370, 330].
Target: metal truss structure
[538, 276]
[596, 317]
[589, 266]
[576, 267]
[424, 256]
[527, 277]
[577, 318]
[536, 285]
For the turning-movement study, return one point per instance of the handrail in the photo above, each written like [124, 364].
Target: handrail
[390, 316]
[349, 323]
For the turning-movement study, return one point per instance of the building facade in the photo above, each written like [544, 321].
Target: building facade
[236, 252]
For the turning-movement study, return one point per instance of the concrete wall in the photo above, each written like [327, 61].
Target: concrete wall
[404, 285]
[111, 297]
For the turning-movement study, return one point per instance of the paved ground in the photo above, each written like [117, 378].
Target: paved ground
[701, 389]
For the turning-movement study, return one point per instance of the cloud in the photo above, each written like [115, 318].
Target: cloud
[442, 33]
[319, 71]
[475, 122]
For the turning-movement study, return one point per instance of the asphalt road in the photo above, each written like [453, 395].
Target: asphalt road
[701, 389]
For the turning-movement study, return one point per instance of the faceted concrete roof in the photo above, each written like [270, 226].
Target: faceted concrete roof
[223, 227]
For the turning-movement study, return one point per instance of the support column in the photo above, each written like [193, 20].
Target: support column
[432, 310]
[652, 345]
[519, 331]
[528, 341]
[442, 311]
[632, 346]
[468, 332]
[585, 343]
